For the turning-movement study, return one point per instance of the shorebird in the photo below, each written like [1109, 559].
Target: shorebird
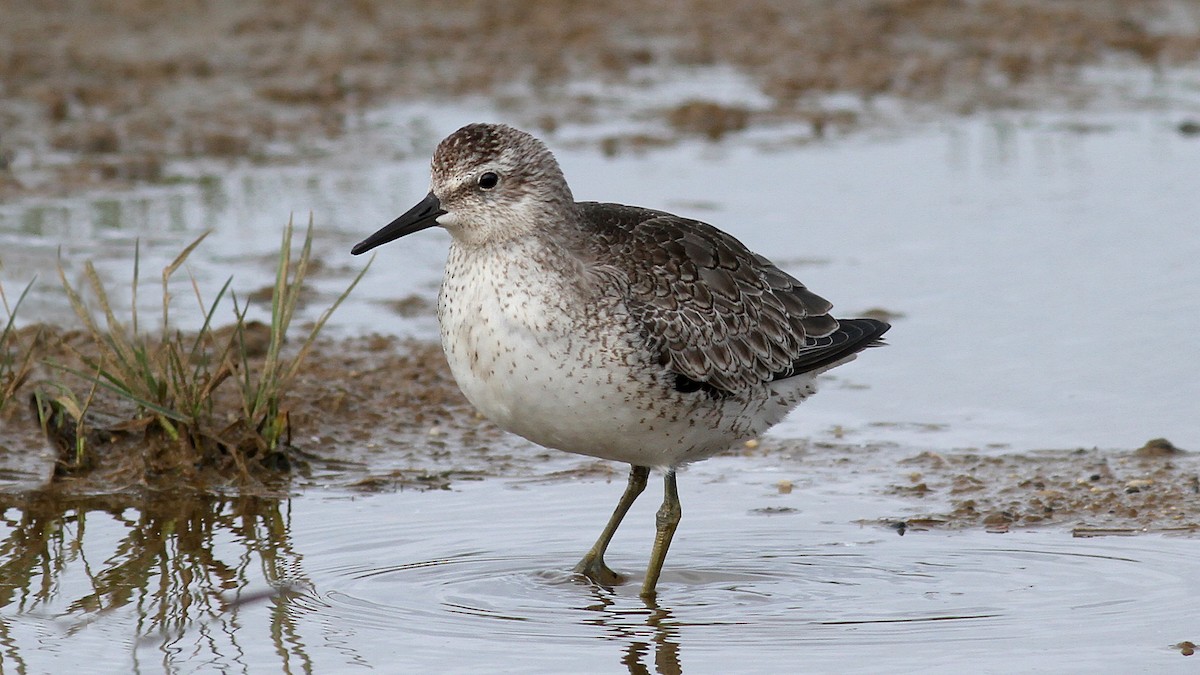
[613, 331]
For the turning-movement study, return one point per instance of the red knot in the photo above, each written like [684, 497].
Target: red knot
[613, 331]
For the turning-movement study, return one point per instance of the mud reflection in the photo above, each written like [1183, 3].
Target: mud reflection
[180, 570]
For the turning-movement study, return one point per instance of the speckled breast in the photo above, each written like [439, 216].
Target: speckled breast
[549, 359]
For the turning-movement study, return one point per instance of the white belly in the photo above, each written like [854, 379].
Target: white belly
[516, 346]
[511, 352]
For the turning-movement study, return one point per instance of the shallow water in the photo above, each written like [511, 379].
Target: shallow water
[478, 578]
[1044, 268]
[1044, 271]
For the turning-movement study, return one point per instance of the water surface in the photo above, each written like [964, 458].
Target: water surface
[1043, 269]
[466, 579]
[1042, 272]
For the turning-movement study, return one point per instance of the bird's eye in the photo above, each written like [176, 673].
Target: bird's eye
[488, 180]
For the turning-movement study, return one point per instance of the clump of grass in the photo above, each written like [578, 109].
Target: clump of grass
[16, 361]
[263, 391]
[172, 380]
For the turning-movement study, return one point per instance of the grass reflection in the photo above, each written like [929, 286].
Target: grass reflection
[181, 568]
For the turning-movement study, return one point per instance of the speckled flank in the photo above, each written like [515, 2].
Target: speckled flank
[615, 331]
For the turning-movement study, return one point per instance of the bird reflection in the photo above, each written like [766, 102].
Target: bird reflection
[648, 631]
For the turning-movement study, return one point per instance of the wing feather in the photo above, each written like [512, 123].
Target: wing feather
[714, 312]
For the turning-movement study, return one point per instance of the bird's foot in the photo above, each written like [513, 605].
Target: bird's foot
[593, 568]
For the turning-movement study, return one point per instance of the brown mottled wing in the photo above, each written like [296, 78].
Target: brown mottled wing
[715, 312]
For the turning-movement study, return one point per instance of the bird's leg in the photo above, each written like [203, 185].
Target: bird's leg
[592, 566]
[668, 519]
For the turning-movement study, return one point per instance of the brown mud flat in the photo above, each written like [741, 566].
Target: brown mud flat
[1155, 488]
[106, 93]
[355, 395]
[1095, 492]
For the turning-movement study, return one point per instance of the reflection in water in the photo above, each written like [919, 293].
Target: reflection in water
[656, 637]
[186, 565]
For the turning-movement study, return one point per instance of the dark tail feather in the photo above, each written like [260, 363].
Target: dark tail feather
[851, 337]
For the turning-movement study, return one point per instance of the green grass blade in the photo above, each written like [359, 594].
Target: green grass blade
[106, 380]
[206, 328]
[137, 259]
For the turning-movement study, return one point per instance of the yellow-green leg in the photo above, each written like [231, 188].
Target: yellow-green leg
[667, 520]
[592, 566]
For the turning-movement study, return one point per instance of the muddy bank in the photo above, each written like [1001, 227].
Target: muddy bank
[109, 93]
[1095, 492]
[379, 414]
[351, 399]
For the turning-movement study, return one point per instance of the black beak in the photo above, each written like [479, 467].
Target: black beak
[417, 218]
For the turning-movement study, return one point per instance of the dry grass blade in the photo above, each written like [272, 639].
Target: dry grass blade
[116, 331]
[169, 270]
[123, 378]
[154, 377]
[15, 363]
[77, 304]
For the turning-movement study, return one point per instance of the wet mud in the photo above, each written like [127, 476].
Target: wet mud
[397, 520]
[379, 414]
[1095, 492]
[111, 93]
[353, 397]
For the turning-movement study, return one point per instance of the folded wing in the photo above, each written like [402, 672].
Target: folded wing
[718, 315]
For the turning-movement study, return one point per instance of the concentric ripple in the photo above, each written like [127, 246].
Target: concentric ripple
[735, 586]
